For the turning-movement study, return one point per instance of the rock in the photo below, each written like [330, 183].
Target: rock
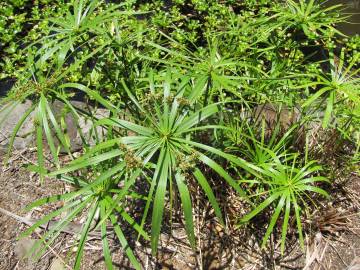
[10, 115]
[273, 115]
[60, 110]
[23, 247]
[277, 115]
[355, 264]
[73, 125]
[57, 264]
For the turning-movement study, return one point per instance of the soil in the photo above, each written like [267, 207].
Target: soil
[333, 243]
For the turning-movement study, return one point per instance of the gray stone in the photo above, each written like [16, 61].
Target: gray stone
[355, 264]
[84, 123]
[11, 115]
[57, 264]
[23, 247]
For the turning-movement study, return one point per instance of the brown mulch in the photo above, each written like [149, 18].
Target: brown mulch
[217, 248]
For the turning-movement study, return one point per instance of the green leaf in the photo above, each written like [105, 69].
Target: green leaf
[83, 163]
[197, 117]
[329, 108]
[285, 224]
[51, 199]
[126, 217]
[199, 88]
[273, 220]
[50, 235]
[45, 124]
[209, 193]
[48, 217]
[298, 219]
[315, 96]
[57, 129]
[84, 232]
[39, 145]
[187, 207]
[93, 94]
[119, 233]
[126, 125]
[237, 160]
[106, 249]
[159, 200]
[261, 207]
[216, 167]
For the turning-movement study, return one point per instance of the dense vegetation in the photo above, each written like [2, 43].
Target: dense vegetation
[189, 87]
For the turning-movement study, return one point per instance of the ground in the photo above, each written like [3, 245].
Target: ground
[333, 238]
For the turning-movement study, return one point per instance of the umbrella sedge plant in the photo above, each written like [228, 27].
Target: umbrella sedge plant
[340, 86]
[284, 181]
[165, 141]
[284, 187]
[85, 23]
[101, 194]
[216, 73]
[178, 82]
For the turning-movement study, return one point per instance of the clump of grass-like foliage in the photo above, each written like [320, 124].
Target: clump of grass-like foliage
[180, 83]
